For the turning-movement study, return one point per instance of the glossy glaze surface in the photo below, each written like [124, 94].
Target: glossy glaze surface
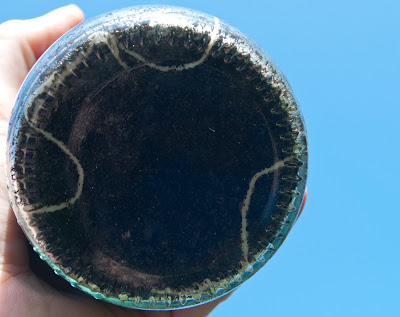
[157, 157]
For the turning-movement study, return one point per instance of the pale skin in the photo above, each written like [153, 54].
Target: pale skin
[22, 291]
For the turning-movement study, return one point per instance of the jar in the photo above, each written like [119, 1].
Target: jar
[156, 158]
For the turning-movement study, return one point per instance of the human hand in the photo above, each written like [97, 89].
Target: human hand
[22, 291]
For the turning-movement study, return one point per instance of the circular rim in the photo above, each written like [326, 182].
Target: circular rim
[221, 38]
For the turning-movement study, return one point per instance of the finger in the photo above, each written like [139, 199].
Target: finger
[41, 32]
[303, 203]
[21, 43]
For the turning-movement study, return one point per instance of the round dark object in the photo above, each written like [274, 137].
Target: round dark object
[156, 157]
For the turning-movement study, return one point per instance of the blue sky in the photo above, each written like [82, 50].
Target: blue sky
[342, 59]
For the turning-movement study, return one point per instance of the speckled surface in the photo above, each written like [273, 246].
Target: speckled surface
[158, 159]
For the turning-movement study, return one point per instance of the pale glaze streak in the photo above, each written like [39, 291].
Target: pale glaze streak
[112, 44]
[246, 203]
[79, 168]
[213, 38]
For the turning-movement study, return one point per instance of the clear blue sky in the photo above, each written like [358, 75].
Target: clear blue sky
[342, 59]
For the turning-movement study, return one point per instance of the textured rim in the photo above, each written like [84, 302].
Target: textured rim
[220, 39]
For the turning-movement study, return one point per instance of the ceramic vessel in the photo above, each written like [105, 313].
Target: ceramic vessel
[157, 157]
